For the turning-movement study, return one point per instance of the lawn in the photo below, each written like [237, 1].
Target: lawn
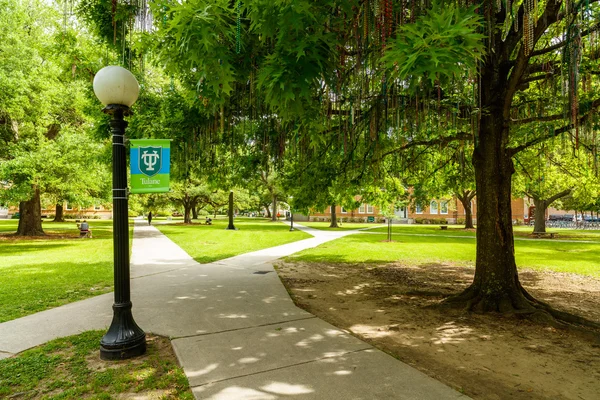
[346, 226]
[580, 258]
[208, 243]
[521, 231]
[70, 368]
[42, 273]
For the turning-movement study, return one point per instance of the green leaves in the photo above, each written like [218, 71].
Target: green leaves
[438, 46]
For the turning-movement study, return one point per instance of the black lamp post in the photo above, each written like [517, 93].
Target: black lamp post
[118, 89]
[291, 214]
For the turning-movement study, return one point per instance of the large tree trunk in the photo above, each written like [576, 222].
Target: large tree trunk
[268, 211]
[231, 226]
[541, 205]
[194, 212]
[334, 223]
[187, 213]
[539, 215]
[274, 205]
[496, 284]
[30, 219]
[465, 199]
[59, 215]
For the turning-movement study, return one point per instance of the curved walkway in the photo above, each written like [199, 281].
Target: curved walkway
[235, 330]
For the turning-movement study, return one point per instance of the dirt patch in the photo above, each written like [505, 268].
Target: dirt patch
[485, 357]
[48, 236]
[155, 345]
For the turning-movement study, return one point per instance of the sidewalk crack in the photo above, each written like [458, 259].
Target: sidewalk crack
[241, 329]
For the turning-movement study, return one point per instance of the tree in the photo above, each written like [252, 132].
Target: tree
[367, 88]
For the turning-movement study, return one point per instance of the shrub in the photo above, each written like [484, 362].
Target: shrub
[460, 221]
[419, 220]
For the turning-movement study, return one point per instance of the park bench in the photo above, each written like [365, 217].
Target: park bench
[540, 235]
[444, 227]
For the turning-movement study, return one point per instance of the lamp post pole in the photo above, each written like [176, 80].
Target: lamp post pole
[291, 215]
[124, 338]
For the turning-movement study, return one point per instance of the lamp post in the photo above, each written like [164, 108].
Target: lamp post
[291, 214]
[118, 89]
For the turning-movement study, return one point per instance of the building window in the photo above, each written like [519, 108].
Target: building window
[418, 209]
[361, 209]
[97, 208]
[344, 211]
[433, 207]
[444, 207]
[69, 207]
[369, 209]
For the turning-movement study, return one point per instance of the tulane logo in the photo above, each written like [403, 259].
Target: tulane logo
[150, 159]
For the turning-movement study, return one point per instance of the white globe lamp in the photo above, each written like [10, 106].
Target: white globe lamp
[116, 85]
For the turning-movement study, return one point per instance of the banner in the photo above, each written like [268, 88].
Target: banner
[150, 161]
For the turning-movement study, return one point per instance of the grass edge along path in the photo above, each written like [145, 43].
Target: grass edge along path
[40, 273]
[565, 257]
[209, 243]
[70, 368]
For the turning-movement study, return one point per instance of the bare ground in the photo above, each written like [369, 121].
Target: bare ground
[393, 307]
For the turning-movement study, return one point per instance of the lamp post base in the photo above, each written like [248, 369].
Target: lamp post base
[124, 339]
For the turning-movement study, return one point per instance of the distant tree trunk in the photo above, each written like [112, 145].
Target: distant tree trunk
[334, 223]
[465, 199]
[231, 226]
[541, 205]
[268, 211]
[187, 213]
[274, 204]
[30, 219]
[194, 212]
[59, 215]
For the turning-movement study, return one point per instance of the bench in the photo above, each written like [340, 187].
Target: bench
[540, 235]
[444, 227]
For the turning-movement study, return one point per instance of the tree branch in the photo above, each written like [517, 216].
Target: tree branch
[547, 118]
[563, 42]
[514, 150]
[438, 141]
[557, 196]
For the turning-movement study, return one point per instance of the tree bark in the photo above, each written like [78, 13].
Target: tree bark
[539, 215]
[268, 211]
[187, 211]
[274, 205]
[59, 215]
[231, 226]
[334, 223]
[465, 199]
[194, 212]
[30, 216]
[541, 205]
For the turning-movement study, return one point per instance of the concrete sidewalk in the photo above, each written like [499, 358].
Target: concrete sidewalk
[235, 329]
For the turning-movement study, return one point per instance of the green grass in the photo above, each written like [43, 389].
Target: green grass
[208, 243]
[346, 226]
[38, 274]
[580, 258]
[69, 368]
[457, 230]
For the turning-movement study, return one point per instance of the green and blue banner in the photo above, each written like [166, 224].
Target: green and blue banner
[150, 165]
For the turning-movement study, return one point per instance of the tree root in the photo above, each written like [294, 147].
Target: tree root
[520, 304]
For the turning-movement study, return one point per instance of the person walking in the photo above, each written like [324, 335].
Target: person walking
[150, 218]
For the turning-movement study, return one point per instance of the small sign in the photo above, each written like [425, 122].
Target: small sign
[150, 165]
